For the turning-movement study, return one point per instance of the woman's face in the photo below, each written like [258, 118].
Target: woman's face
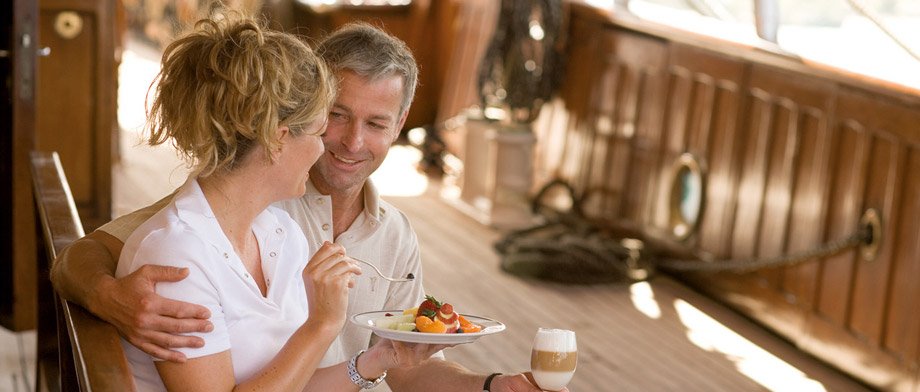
[297, 156]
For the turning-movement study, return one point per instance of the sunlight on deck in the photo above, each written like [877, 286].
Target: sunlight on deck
[643, 298]
[754, 362]
[709, 334]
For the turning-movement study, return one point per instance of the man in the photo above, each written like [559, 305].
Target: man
[378, 77]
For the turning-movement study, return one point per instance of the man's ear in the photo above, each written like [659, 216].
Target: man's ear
[399, 127]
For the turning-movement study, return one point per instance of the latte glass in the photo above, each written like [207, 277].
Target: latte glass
[553, 358]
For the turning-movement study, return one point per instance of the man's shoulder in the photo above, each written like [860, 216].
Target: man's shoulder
[391, 215]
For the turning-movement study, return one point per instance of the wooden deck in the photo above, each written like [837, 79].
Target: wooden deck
[653, 336]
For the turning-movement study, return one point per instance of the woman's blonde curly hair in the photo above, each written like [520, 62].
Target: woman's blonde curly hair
[226, 86]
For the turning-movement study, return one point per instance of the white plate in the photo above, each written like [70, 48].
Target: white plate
[366, 320]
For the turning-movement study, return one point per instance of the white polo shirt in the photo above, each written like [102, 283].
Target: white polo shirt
[381, 235]
[185, 233]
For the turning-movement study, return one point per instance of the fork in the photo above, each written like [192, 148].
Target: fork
[408, 278]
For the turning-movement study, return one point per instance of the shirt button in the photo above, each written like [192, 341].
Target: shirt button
[226, 256]
[320, 201]
[246, 275]
[325, 227]
[279, 231]
[373, 224]
[272, 254]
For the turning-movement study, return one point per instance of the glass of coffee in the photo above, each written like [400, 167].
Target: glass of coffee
[553, 358]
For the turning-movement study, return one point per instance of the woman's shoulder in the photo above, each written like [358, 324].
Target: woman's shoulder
[165, 235]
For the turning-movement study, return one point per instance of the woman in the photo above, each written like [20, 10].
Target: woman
[247, 107]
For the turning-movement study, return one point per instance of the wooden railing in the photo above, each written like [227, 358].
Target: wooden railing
[76, 351]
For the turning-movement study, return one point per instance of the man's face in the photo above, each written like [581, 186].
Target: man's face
[363, 122]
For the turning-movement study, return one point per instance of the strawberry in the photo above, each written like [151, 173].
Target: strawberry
[448, 317]
[429, 307]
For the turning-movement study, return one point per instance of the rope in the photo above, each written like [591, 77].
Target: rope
[862, 235]
[586, 250]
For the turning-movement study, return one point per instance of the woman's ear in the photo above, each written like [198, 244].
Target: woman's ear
[281, 133]
[281, 136]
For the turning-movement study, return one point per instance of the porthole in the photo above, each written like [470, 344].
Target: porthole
[688, 185]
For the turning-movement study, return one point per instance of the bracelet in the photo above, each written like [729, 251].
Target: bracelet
[488, 383]
[356, 378]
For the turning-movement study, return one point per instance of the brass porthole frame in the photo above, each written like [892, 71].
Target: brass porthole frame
[871, 220]
[679, 227]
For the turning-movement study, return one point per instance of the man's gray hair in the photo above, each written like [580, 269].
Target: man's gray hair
[372, 54]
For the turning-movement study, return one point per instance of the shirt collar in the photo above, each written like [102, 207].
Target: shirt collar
[372, 206]
[193, 209]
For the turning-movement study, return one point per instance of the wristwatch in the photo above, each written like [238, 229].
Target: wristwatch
[356, 377]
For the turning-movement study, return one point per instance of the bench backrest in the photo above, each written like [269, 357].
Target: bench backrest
[76, 350]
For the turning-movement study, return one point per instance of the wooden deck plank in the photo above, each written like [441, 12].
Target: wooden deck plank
[17, 360]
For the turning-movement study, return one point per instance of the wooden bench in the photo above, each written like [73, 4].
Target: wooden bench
[76, 351]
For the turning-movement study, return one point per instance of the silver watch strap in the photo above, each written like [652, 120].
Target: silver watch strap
[356, 378]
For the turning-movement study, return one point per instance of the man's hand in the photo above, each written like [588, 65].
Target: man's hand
[522, 382]
[389, 354]
[147, 320]
[411, 354]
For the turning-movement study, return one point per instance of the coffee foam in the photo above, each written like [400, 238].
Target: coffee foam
[551, 339]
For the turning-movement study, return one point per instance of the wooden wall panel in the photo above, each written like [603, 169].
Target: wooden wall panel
[871, 279]
[753, 166]
[612, 109]
[624, 116]
[891, 186]
[807, 211]
[849, 151]
[472, 26]
[902, 326]
[864, 318]
[718, 79]
[673, 141]
[643, 172]
[600, 175]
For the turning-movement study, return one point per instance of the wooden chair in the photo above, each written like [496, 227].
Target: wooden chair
[76, 350]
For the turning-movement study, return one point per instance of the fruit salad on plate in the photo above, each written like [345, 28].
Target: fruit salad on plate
[431, 316]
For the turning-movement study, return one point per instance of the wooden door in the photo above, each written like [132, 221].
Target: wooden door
[76, 98]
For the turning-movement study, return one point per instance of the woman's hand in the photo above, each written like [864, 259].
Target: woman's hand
[327, 278]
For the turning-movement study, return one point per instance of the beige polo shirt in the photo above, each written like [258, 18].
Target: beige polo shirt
[381, 235]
